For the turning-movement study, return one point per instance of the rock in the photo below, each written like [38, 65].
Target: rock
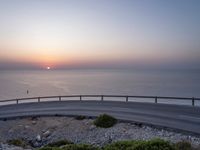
[34, 122]
[47, 133]
[10, 131]
[92, 127]
[26, 126]
[110, 140]
[38, 138]
[36, 144]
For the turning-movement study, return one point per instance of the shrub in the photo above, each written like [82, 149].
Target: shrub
[59, 143]
[183, 145]
[155, 144]
[80, 117]
[105, 121]
[50, 148]
[79, 147]
[158, 144]
[121, 145]
[18, 142]
[71, 147]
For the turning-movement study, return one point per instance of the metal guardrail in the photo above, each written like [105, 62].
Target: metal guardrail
[103, 97]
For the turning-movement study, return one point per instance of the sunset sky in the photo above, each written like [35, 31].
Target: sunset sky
[99, 33]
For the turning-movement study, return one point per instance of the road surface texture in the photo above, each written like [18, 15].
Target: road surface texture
[185, 118]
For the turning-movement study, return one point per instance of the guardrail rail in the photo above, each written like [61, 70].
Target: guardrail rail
[102, 98]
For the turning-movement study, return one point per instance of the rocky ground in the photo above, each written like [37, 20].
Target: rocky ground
[38, 131]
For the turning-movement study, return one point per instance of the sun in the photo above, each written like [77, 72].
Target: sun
[48, 68]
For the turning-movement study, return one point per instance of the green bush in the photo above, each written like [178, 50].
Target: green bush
[79, 147]
[80, 117]
[158, 144]
[59, 143]
[72, 147]
[183, 145]
[121, 145]
[155, 144]
[105, 121]
[50, 148]
[17, 142]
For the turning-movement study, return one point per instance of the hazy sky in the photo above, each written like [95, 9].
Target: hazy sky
[99, 33]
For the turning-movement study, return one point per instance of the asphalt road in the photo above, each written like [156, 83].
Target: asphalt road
[185, 118]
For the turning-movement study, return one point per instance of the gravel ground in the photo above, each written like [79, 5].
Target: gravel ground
[42, 130]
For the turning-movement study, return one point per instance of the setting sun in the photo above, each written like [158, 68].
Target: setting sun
[48, 68]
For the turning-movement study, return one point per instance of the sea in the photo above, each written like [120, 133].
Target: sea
[34, 83]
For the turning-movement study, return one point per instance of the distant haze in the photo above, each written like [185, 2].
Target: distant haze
[63, 34]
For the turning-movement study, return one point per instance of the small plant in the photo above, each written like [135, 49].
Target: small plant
[71, 147]
[155, 144]
[18, 142]
[159, 144]
[79, 147]
[105, 121]
[183, 145]
[50, 148]
[80, 117]
[59, 143]
[121, 145]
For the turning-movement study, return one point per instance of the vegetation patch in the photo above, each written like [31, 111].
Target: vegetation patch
[72, 147]
[50, 148]
[79, 147]
[80, 117]
[18, 142]
[105, 121]
[121, 145]
[59, 143]
[155, 144]
[183, 145]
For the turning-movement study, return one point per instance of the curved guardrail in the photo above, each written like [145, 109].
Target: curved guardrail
[102, 98]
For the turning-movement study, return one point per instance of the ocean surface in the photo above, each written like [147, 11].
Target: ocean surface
[14, 84]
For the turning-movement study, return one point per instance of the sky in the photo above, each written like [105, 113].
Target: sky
[99, 34]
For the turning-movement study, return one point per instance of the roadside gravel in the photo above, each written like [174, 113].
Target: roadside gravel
[39, 131]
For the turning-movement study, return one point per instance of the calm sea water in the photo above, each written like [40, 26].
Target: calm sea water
[14, 84]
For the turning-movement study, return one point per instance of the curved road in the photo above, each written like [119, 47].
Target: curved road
[185, 118]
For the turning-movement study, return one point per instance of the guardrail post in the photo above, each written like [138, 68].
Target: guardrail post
[59, 98]
[126, 98]
[156, 99]
[80, 98]
[38, 99]
[192, 101]
[17, 101]
[102, 98]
